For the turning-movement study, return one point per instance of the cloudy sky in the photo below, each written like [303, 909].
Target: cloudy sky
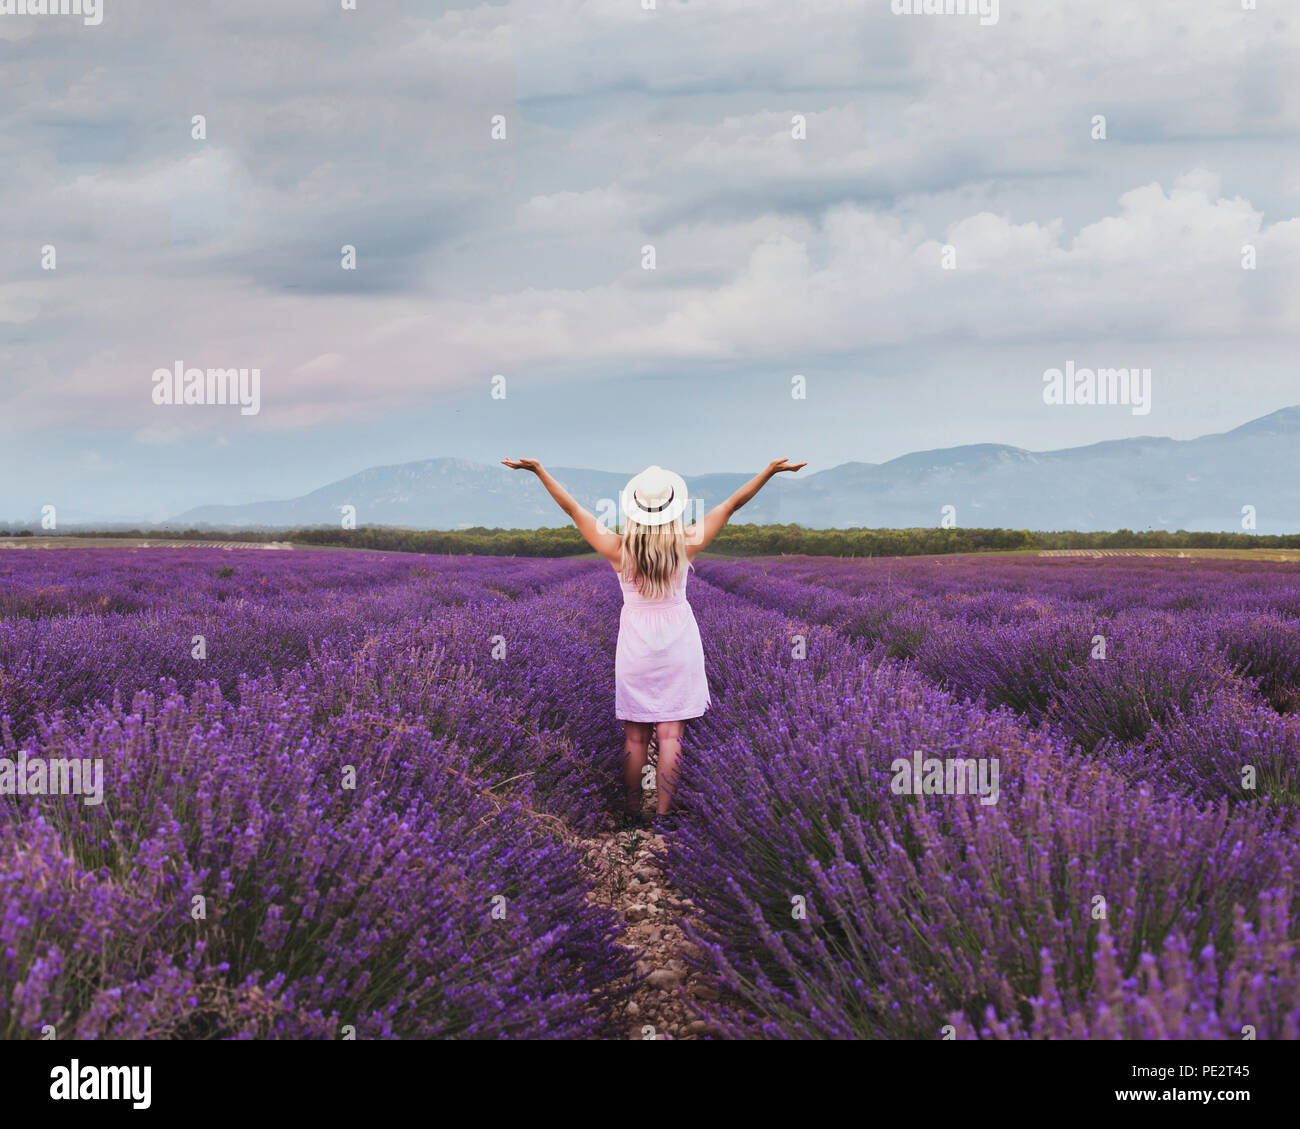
[774, 255]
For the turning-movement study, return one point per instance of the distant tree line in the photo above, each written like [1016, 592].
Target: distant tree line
[735, 540]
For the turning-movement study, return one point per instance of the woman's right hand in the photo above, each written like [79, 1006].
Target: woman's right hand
[522, 464]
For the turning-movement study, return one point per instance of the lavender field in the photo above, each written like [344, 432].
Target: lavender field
[350, 792]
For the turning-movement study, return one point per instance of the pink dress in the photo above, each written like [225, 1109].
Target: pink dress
[659, 663]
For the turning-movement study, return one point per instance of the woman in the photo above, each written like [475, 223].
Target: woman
[659, 680]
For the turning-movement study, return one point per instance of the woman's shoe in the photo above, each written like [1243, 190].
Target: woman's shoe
[631, 821]
[664, 822]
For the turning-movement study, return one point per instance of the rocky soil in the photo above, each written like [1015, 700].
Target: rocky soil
[625, 874]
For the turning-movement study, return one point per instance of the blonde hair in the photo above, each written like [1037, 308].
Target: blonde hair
[652, 555]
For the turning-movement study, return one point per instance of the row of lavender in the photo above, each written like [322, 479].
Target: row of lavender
[1132, 888]
[77, 626]
[1181, 674]
[334, 814]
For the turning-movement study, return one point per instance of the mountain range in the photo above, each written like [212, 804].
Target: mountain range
[1142, 483]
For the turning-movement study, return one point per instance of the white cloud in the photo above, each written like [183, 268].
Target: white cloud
[670, 127]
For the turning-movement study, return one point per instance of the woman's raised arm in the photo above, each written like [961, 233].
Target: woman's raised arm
[707, 528]
[608, 544]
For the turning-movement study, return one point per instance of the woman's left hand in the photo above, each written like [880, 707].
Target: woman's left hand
[522, 464]
[776, 466]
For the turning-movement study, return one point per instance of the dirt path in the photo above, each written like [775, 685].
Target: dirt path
[625, 875]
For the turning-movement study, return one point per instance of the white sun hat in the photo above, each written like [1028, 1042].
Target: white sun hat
[655, 496]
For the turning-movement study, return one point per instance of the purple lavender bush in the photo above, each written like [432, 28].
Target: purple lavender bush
[370, 905]
[832, 906]
[315, 827]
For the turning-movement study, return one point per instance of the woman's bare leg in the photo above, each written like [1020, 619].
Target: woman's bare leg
[669, 736]
[636, 742]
